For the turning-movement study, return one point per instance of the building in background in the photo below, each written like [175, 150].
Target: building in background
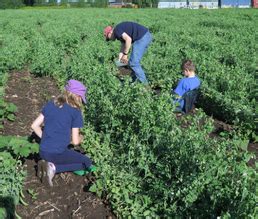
[255, 3]
[192, 4]
[235, 3]
[172, 4]
[210, 4]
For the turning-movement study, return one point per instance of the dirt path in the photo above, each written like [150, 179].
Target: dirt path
[69, 197]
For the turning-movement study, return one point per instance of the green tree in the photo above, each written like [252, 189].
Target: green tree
[40, 2]
[29, 2]
[10, 4]
[100, 3]
[146, 3]
[52, 2]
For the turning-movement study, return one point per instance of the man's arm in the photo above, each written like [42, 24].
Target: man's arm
[126, 47]
[121, 53]
[128, 43]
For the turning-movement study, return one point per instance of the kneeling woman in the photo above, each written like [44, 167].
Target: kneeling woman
[62, 120]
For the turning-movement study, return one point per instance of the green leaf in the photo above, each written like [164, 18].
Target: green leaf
[93, 188]
[146, 213]
[243, 144]
[11, 117]
[23, 151]
[1, 112]
[3, 213]
[4, 141]
[11, 108]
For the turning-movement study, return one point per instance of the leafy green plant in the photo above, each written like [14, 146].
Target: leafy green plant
[19, 146]
[7, 110]
[32, 194]
[152, 163]
[12, 176]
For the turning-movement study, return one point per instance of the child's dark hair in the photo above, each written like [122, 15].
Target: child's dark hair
[187, 65]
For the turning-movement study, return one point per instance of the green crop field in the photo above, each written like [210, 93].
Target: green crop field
[152, 164]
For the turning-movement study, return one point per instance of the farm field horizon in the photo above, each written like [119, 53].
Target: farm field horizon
[151, 162]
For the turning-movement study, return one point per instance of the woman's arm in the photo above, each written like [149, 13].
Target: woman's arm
[76, 137]
[36, 125]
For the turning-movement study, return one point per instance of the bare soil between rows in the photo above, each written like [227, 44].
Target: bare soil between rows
[69, 197]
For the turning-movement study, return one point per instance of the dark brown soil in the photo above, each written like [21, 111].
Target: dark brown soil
[124, 71]
[253, 147]
[69, 197]
[29, 94]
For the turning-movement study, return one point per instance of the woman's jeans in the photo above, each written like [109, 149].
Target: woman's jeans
[69, 160]
[139, 48]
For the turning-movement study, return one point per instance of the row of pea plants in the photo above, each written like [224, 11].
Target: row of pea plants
[224, 53]
[12, 149]
[151, 163]
[129, 130]
[221, 44]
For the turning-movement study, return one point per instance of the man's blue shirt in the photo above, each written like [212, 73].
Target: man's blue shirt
[58, 122]
[134, 30]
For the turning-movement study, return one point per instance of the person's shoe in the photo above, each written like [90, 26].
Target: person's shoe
[90, 169]
[40, 169]
[48, 171]
[51, 170]
[79, 172]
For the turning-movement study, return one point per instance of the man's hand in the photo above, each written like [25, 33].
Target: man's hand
[120, 56]
[124, 59]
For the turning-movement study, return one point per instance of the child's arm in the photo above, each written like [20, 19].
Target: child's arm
[36, 125]
[180, 90]
[76, 137]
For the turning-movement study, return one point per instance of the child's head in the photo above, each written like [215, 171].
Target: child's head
[73, 95]
[188, 68]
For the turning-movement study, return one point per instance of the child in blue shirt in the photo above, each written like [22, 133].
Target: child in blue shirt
[62, 120]
[189, 82]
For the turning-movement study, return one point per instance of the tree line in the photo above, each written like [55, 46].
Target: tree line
[5, 4]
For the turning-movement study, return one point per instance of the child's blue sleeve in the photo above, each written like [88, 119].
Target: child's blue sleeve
[178, 93]
[77, 120]
[180, 90]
